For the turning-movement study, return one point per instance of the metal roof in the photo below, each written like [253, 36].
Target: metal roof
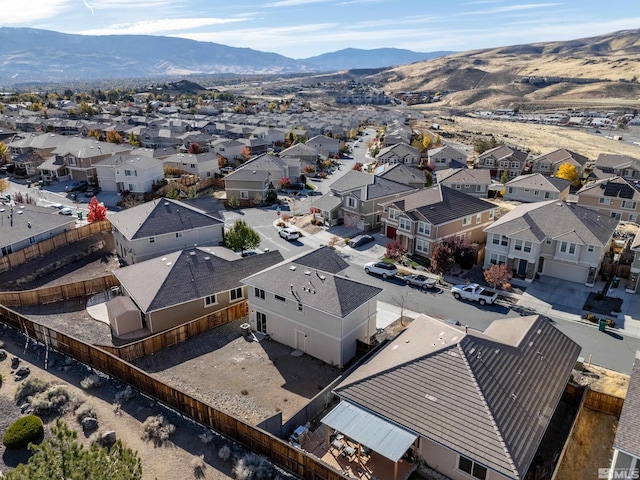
[370, 430]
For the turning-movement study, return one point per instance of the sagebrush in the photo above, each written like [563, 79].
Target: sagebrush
[157, 429]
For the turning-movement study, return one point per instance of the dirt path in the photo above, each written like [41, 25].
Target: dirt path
[172, 461]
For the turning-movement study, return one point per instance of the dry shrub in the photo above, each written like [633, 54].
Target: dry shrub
[198, 465]
[224, 453]
[157, 429]
[252, 466]
[123, 396]
[91, 381]
[29, 388]
[83, 411]
[53, 401]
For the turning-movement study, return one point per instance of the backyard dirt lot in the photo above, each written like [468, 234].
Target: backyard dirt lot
[248, 379]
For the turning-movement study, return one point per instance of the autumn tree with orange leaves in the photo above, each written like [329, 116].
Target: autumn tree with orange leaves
[97, 211]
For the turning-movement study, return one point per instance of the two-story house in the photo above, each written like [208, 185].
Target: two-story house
[501, 159]
[135, 174]
[421, 220]
[612, 197]
[362, 195]
[399, 153]
[162, 226]
[307, 304]
[536, 187]
[326, 147]
[621, 165]
[446, 157]
[472, 181]
[204, 165]
[549, 163]
[552, 238]
[401, 173]
[181, 286]
[82, 154]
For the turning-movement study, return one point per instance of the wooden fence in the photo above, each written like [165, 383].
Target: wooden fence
[603, 402]
[178, 334]
[38, 249]
[282, 454]
[58, 293]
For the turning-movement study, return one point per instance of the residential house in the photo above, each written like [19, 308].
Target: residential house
[259, 175]
[134, 174]
[548, 163]
[397, 132]
[634, 272]
[621, 165]
[504, 158]
[23, 225]
[399, 153]
[401, 173]
[536, 187]
[181, 286]
[421, 220]
[82, 154]
[455, 397]
[231, 150]
[551, 238]
[306, 304]
[328, 208]
[162, 226]
[612, 197]
[326, 147]
[204, 165]
[446, 157]
[362, 195]
[472, 181]
[304, 152]
[626, 445]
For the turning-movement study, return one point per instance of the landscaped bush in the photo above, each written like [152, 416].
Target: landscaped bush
[23, 431]
[610, 323]
[53, 401]
[591, 317]
[157, 429]
[123, 396]
[92, 381]
[29, 388]
[224, 453]
[84, 411]
[253, 466]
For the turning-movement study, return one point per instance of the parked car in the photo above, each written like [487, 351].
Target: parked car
[360, 240]
[76, 186]
[381, 268]
[475, 293]
[421, 281]
[66, 211]
[91, 191]
[288, 233]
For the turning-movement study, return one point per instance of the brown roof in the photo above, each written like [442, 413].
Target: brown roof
[628, 434]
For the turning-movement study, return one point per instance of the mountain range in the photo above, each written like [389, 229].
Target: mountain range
[32, 55]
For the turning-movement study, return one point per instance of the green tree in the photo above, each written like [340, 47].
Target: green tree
[62, 457]
[428, 179]
[241, 237]
[4, 152]
[85, 108]
[504, 177]
[134, 139]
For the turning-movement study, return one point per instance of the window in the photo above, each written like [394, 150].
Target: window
[422, 246]
[235, 294]
[424, 228]
[633, 218]
[261, 322]
[152, 239]
[132, 187]
[518, 245]
[504, 164]
[130, 173]
[351, 202]
[591, 249]
[467, 186]
[466, 220]
[280, 298]
[629, 204]
[71, 160]
[526, 190]
[32, 240]
[489, 162]
[604, 201]
[497, 259]
[472, 468]
[393, 213]
[492, 215]
[567, 247]
[405, 224]
[479, 188]
[458, 186]
[515, 164]
[500, 240]
[617, 215]
[536, 192]
[548, 241]
[510, 190]
[547, 194]
[478, 217]
[527, 247]
[210, 300]
[244, 195]
[178, 234]
[259, 293]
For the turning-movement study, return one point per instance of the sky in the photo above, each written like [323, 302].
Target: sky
[305, 28]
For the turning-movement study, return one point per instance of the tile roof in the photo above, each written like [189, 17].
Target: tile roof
[610, 161]
[562, 155]
[540, 182]
[504, 152]
[615, 187]
[158, 217]
[553, 219]
[464, 175]
[380, 188]
[400, 173]
[488, 396]
[628, 433]
[187, 275]
[440, 204]
[351, 181]
[327, 202]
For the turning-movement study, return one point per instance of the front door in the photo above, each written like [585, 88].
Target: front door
[522, 268]
[261, 322]
[300, 340]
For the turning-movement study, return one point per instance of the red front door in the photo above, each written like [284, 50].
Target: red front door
[391, 232]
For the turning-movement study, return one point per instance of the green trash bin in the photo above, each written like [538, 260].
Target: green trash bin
[79, 215]
[602, 325]
[615, 282]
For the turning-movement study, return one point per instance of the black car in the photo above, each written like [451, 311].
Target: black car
[91, 191]
[76, 186]
[360, 240]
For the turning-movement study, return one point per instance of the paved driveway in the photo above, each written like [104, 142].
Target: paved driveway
[549, 293]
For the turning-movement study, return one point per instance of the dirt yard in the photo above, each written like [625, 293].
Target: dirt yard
[603, 380]
[590, 446]
[248, 379]
[171, 461]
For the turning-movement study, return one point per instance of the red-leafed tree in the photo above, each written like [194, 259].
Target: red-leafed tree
[357, 167]
[194, 149]
[285, 182]
[395, 250]
[497, 275]
[97, 211]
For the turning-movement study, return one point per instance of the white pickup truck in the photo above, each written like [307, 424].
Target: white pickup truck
[474, 292]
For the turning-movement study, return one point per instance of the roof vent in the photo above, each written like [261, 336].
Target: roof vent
[207, 257]
[168, 264]
[514, 396]
[163, 259]
[559, 204]
[307, 272]
[166, 204]
[292, 268]
[192, 253]
[431, 397]
[19, 212]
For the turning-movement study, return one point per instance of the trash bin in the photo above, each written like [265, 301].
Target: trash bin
[79, 215]
[602, 325]
[615, 282]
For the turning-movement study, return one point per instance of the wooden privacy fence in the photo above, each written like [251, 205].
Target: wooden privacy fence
[282, 454]
[603, 402]
[44, 246]
[58, 293]
[178, 334]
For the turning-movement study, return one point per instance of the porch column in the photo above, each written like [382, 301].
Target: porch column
[395, 470]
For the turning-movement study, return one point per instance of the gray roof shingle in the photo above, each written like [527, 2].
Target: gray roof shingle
[488, 396]
[628, 433]
[29, 221]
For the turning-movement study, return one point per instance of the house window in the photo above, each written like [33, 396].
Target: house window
[478, 217]
[479, 188]
[604, 201]
[130, 173]
[617, 215]
[466, 220]
[467, 186]
[515, 165]
[280, 298]
[422, 246]
[178, 234]
[536, 193]
[633, 218]
[504, 164]
[32, 240]
[568, 248]
[351, 202]
[152, 239]
[518, 245]
[393, 213]
[591, 249]
[510, 190]
[472, 468]
[547, 194]
[235, 294]
[526, 190]
[527, 247]
[210, 300]
[629, 204]
[71, 160]
[497, 259]
[458, 186]
[548, 241]
[424, 228]
[244, 195]
[489, 162]
[259, 293]
[132, 187]
[492, 215]
[405, 224]
[500, 240]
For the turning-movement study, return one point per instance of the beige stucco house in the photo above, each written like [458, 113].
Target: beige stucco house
[612, 197]
[446, 157]
[501, 159]
[536, 188]
[549, 163]
[472, 181]
[399, 153]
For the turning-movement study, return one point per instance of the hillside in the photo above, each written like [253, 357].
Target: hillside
[492, 77]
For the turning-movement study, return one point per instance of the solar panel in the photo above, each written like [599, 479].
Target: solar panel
[626, 191]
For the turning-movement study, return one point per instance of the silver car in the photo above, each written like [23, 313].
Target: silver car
[421, 281]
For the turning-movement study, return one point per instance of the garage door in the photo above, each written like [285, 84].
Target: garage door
[564, 271]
